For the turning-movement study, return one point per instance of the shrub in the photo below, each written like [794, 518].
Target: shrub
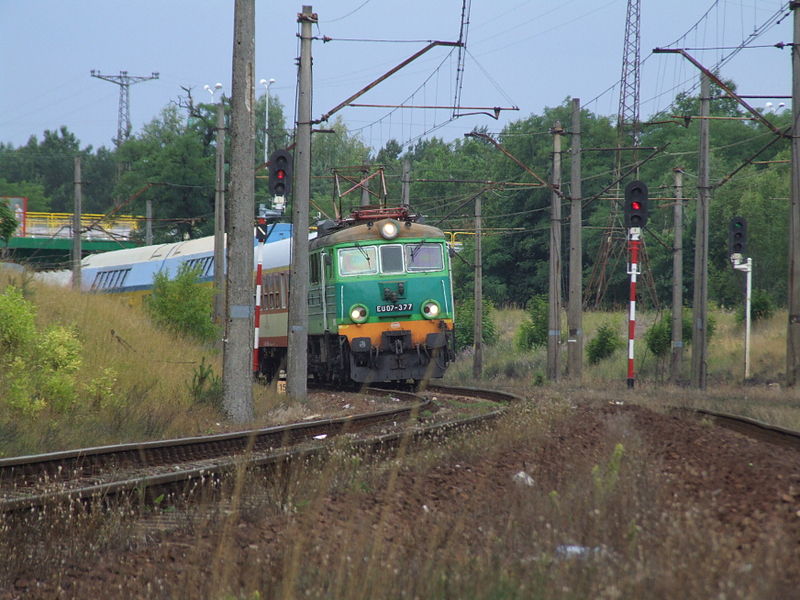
[533, 331]
[182, 305]
[465, 331]
[604, 344]
[17, 323]
[762, 306]
[35, 375]
[659, 337]
[206, 387]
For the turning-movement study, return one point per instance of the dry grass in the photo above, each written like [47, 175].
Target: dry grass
[762, 397]
[596, 524]
[134, 383]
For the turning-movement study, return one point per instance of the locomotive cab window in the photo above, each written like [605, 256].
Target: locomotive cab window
[424, 257]
[391, 259]
[314, 268]
[361, 260]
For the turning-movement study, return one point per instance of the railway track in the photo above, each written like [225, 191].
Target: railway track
[151, 469]
[154, 468]
[758, 430]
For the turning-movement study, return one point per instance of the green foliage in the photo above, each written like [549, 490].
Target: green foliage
[533, 331]
[762, 306]
[206, 386]
[100, 390]
[659, 337]
[8, 222]
[605, 478]
[182, 305]
[604, 344]
[17, 324]
[465, 312]
[35, 374]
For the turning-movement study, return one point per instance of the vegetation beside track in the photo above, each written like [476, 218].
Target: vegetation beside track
[137, 382]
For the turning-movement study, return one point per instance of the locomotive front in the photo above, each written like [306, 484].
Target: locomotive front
[380, 300]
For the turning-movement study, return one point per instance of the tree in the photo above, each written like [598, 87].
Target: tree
[169, 155]
[8, 222]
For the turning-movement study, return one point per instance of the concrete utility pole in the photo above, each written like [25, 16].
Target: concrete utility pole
[76, 227]
[124, 81]
[477, 363]
[700, 300]
[148, 222]
[677, 278]
[575, 303]
[406, 179]
[554, 299]
[297, 361]
[237, 353]
[219, 218]
[793, 330]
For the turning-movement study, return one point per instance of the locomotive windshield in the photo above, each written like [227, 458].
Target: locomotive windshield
[394, 258]
[360, 260]
[424, 257]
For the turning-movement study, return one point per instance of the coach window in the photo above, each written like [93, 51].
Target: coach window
[392, 259]
[424, 257]
[361, 260]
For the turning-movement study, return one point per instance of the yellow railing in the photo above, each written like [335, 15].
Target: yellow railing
[95, 226]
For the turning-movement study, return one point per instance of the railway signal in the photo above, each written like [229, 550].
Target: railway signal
[280, 173]
[737, 236]
[635, 209]
[737, 244]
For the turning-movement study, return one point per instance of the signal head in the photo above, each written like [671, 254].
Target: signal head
[635, 209]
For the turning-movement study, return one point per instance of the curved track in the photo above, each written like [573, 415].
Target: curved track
[151, 468]
[754, 429]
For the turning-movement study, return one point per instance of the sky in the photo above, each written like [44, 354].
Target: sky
[530, 54]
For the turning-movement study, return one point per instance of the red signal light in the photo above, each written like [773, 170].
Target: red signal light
[280, 174]
[635, 205]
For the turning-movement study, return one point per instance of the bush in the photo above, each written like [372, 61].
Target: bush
[533, 331]
[17, 323]
[35, 375]
[604, 344]
[183, 305]
[762, 306]
[465, 330]
[659, 337]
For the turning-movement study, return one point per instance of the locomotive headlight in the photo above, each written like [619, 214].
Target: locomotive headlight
[358, 313]
[431, 309]
[389, 229]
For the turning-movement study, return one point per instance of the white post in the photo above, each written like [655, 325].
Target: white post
[747, 267]
[748, 295]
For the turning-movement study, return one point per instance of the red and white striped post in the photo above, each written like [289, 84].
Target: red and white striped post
[261, 235]
[633, 271]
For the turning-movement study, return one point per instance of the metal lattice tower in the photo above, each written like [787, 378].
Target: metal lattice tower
[611, 247]
[124, 81]
[628, 116]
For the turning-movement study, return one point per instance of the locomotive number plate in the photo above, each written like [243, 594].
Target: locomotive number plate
[385, 308]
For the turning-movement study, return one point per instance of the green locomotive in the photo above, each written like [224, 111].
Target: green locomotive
[380, 301]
